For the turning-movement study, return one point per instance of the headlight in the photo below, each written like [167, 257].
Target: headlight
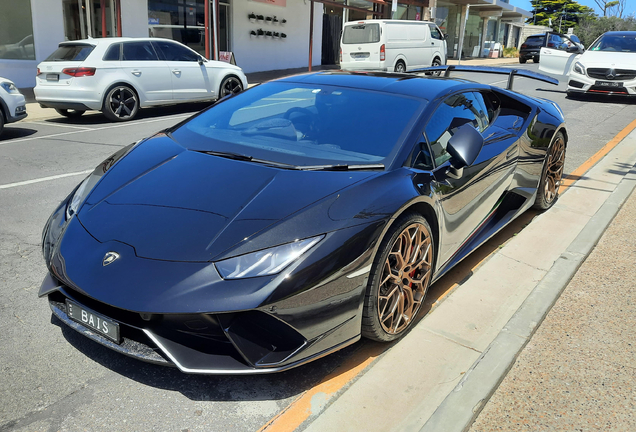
[9, 87]
[265, 262]
[78, 197]
[579, 68]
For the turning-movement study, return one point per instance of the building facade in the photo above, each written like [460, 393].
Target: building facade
[245, 30]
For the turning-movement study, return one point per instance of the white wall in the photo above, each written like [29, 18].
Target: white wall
[255, 54]
[134, 18]
[48, 31]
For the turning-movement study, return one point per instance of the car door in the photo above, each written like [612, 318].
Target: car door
[149, 75]
[467, 200]
[190, 78]
[558, 56]
[438, 44]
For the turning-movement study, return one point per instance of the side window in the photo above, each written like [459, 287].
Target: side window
[112, 53]
[138, 51]
[435, 33]
[455, 111]
[171, 51]
[424, 158]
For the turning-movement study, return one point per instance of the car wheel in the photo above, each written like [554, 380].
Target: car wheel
[70, 113]
[535, 59]
[121, 104]
[230, 85]
[436, 62]
[522, 60]
[400, 67]
[1, 122]
[399, 279]
[552, 174]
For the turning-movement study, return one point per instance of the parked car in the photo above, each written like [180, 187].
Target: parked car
[12, 103]
[607, 67]
[391, 45]
[120, 75]
[531, 48]
[289, 220]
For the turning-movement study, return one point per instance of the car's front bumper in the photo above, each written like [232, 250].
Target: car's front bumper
[578, 83]
[14, 106]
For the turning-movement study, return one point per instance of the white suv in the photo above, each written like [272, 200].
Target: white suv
[12, 103]
[120, 75]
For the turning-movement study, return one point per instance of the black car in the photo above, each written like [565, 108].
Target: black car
[531, 48]
[287, 221]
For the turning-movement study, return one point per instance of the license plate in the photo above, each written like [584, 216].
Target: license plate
[609, 84]
[94, 321]
[52, 77]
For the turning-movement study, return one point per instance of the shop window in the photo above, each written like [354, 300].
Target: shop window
[179, 20]
[16, 31]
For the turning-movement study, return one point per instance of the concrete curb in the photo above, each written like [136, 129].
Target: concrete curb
[462, 406]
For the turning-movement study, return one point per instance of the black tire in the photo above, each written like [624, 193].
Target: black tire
[522, 60]
[1, 121]
[535, 59]
[392, 295]
[436, 62]
[230, 85]
[552, 174]
[70, 113]
[121, 103]
[400, 67]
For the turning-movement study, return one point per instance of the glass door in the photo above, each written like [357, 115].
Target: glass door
[83, 19]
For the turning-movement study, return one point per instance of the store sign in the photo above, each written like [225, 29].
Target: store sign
[152, 21]
[282, 3]
[227, 57]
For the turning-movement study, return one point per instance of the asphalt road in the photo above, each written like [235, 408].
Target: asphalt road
[51, 378]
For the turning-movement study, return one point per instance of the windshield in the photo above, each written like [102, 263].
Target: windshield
[294, 124]
[615, 43]
[71, 53]
[361, 33]
[535, 41]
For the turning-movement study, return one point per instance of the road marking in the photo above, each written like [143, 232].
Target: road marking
[290, 418]
[43, 179]
[95, 129]
[60, 125]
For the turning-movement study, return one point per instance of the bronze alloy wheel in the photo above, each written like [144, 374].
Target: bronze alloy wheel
[554, 171]
[552, 175]
[399, 278]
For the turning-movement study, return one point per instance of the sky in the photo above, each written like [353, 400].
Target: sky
[630, 8]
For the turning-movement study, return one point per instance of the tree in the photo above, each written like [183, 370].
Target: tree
[566, 13]
[605, 5]
[590, 28]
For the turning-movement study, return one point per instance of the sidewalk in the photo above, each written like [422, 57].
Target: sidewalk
[440, 375]
[36, 113]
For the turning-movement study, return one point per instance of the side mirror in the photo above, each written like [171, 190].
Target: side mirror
[200, 60]
[445, 36]
[464, 147]
[573, 49]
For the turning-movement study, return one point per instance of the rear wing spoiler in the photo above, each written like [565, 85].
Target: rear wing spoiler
[493, 70]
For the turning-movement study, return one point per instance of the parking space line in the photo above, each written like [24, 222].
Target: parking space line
[60, 125]
[43, 179]
[299, 410]
[96, 129]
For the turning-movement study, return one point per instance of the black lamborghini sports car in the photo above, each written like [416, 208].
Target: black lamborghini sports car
[287, 221]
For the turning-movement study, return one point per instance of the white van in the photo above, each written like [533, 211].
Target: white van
[391, 45]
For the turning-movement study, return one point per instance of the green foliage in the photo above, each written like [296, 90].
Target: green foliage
[590, 28]
[568, 13]
[510, 52]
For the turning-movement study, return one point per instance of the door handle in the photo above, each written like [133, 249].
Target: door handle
[136, 72]
[176, 71]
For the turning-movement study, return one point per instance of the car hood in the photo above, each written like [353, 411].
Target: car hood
[603, 59]
[169, 203]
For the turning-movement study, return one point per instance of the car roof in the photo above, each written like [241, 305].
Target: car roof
[397, 83]
[620, 33]
[111, 40]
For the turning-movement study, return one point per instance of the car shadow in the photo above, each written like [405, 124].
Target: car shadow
[11, 132]
[277, 386]
[97, 118]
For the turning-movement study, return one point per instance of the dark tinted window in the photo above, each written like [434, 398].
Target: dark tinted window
[112, 54]
[535, 41]
[305, 124]
[454, 112]
[361, 33]
[139, 51]
[625, 42]
[171, 51]
[435, 33]
[71, 53]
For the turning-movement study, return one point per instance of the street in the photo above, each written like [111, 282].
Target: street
[55, 379]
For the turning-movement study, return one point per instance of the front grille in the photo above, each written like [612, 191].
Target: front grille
[618, 74]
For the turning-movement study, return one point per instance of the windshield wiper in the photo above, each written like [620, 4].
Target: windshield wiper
[242, 157]
[343, 167]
